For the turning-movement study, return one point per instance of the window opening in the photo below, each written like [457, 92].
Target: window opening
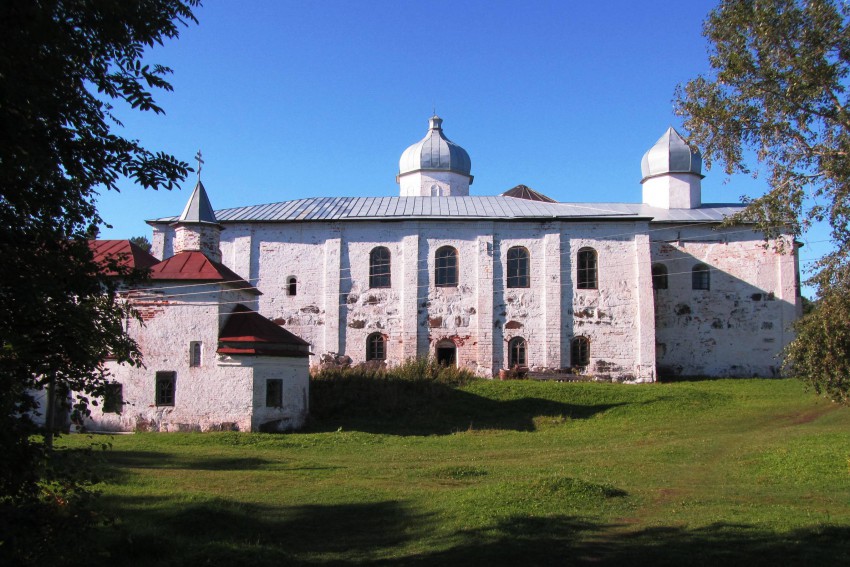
[580, 351]
[446, 352]
[376, 347]
[166, 383]
[659, 276]
[518, 267]
[379, 267]
[700, 277]
[195, 353]
[274, 393]
[113, 398]
[445, 266]
[291, 286]
[586, 276]
[516, 352]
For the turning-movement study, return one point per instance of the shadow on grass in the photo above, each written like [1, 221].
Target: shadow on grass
[426, 408]
[159, 460]
[217, 532]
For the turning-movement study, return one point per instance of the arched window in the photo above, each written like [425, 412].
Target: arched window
[445, 267]
[291, 286]
[379, 267]
[516, 352]
[580, 351]
[518, 267]
[700, 277]
[376, 347]
[659, 276]
[586, 276]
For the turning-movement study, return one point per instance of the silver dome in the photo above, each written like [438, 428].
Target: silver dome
[435, 152]
[670, 154]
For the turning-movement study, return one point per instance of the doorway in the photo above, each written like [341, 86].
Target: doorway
[446, 353]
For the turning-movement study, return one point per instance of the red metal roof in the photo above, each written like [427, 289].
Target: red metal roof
[121, 252]
[248, 332]
[193, 265]
[527, 193]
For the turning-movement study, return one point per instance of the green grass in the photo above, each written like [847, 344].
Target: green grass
[733, 472]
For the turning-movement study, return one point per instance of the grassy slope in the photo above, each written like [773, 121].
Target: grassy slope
[735, 471]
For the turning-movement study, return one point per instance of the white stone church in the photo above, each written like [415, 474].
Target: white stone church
[619, 291]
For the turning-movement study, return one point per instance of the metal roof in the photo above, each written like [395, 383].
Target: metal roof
[525, 192]
[198, 208]
[122, 253]
[435, 152]
[670, 154]
[195, 266]
[458, 208]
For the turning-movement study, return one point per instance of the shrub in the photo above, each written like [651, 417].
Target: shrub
[371, 389]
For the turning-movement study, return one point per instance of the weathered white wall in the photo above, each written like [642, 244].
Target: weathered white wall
[221, 393]
[296, 391]
[630, 333]
[335, 310]
[611, 315]
[739, 326]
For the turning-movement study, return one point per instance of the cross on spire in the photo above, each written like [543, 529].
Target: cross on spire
[200, 164]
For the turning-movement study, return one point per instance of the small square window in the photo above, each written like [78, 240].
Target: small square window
[113, 398]
[166, 383]
[195, 349]
[274, 393]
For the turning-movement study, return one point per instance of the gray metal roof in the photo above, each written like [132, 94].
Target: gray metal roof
[458, 208]
[435, 152]
[670, 154]
[198, 209]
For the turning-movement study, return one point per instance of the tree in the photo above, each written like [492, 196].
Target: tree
[62, 64]
[778, 90]
[142, 242]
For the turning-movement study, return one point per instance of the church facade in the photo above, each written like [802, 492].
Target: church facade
[619, 291]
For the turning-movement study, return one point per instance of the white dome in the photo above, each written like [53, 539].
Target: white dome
[435, 152]
[670, 154]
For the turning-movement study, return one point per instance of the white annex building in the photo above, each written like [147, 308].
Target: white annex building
[619, 291]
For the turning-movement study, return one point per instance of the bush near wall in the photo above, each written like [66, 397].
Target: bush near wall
[371, 390]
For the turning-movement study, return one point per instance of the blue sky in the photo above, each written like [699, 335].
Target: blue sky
[297, 99]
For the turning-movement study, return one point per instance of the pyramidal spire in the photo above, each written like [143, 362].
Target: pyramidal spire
[198, 209]
[196, 228]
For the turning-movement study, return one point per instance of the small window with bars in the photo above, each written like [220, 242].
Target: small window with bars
[166, 385]
[379, 267]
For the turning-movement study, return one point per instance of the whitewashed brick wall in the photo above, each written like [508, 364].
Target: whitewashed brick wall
[739, 326]
[223, 392]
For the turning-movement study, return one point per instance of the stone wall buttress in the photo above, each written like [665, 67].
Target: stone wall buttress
[410, 319]
[334, 341]
[552, 297]
[645, 351]
[486, 363]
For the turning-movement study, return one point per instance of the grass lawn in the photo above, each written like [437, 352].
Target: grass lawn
[732, 472]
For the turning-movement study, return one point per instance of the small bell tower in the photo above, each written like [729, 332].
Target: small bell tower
[197, 228]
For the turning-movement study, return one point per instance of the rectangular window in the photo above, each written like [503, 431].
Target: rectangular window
[166, 383]
[195, 353]
[113, 398]
[274, 393]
